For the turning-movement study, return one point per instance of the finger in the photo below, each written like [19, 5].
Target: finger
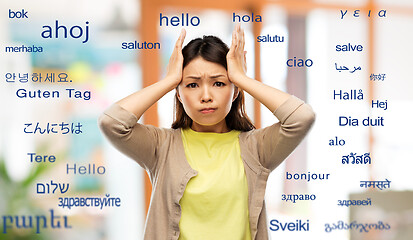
[237, 35]
[234, 38]
[180, 40]
[182, 37]
[239, 48]
[245, 60]
[233, 43]
[242, 40]
[237, 29]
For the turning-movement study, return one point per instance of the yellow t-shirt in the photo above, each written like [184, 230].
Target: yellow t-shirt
[215, 202]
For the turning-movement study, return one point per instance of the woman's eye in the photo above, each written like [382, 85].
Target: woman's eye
[219, 84]
[191, 85]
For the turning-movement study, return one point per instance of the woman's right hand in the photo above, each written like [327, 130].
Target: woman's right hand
[174, 69]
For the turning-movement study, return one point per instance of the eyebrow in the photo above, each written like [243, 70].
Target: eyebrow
[193, 77]
[212, 76]
[217, 76]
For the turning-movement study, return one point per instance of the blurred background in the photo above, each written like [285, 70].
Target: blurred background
[310, 30]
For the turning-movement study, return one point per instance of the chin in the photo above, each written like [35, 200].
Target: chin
[207, 124]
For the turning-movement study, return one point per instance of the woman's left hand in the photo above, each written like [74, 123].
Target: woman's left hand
[236, 59]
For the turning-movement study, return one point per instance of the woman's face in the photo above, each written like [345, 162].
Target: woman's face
[206, 95]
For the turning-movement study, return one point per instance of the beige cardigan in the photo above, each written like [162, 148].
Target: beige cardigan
[160, 151]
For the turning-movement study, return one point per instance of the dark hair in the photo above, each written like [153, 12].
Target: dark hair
[214, 50]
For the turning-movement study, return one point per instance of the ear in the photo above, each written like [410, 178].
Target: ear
[177, 94]
[236, 92]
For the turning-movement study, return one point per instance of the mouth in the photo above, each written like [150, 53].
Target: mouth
[207, 110]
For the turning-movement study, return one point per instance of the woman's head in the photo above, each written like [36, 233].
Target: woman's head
[205, 97]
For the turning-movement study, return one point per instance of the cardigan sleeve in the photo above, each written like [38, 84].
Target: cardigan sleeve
[276, 142]
[137, 141]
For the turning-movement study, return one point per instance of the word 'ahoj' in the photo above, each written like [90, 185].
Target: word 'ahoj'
[73, 32]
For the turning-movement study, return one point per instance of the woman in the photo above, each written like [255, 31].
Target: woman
[209, 171]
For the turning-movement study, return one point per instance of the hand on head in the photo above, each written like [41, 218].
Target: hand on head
[174, 69]
[236, 57]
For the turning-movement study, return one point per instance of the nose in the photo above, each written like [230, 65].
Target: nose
[206, 95]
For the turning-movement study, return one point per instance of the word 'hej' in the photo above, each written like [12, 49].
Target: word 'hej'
[381, 13]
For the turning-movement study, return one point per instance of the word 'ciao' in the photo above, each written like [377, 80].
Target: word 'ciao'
[294, 62]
